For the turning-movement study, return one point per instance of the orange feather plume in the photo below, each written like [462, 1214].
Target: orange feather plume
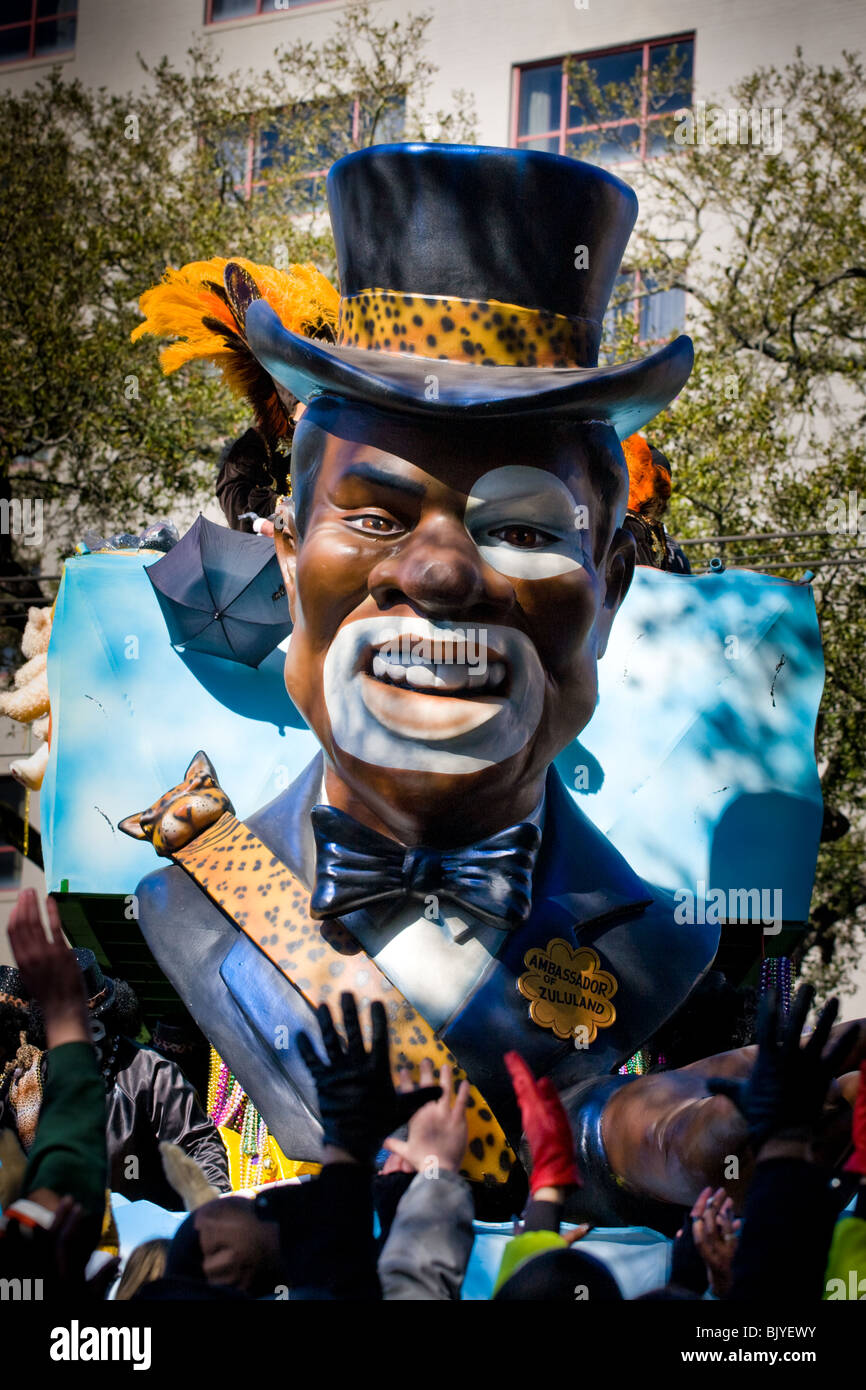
[191, 306]
[647, 482]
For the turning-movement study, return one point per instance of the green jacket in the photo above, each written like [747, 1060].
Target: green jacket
[69, 1154]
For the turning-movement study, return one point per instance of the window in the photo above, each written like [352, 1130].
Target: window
[217, 10]
[659, 314]
[552, 112]
[255, 149]
[33, 28]
[662, 312]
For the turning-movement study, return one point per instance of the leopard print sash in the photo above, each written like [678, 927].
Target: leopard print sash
[321, 959]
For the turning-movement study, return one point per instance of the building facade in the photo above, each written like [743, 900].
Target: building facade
[507, 53]
[483, 46]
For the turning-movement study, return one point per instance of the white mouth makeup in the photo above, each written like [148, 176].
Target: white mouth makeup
[529, 499]
[418, 696]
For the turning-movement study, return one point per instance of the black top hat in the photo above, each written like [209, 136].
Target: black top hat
[659, 459]
[491, 269]
[100, 990]
[12, 991]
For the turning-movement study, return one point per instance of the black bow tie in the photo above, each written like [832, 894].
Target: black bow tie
[356, 867]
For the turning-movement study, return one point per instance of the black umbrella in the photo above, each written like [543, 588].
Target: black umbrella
[221, 592]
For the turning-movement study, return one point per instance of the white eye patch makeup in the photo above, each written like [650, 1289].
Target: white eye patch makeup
[526, 523]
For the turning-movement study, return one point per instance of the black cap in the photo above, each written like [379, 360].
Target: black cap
[659, 458]
[100, 990]
[12, 989]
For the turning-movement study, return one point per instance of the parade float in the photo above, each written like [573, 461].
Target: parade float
[678, 826]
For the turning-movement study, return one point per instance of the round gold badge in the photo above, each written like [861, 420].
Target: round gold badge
[567, 990]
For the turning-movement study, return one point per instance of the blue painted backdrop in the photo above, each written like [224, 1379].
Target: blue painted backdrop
[698, 762]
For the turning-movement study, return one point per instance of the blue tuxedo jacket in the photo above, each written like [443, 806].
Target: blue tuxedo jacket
[583, 891]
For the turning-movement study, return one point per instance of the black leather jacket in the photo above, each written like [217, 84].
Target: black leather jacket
[151, 1100]
[251, 477]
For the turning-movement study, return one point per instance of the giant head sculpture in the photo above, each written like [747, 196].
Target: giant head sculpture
[452, 549]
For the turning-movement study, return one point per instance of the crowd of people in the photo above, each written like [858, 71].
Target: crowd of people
[390, 1217]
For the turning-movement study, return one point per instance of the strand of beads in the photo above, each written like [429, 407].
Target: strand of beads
[635, 1066]
[214, 1076]
[776, 975]
[225, 1098]
[109, 1062]
[254, 1140]
[250, 1132]
[231, 1108]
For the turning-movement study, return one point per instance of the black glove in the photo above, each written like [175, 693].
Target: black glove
[358, 1103]
[788, 1085]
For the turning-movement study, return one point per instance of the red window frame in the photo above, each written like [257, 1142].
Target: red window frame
[250, 184]
[257, 12]
[563, 130]
[31, 24]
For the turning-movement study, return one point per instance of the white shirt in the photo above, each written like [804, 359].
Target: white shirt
[436, 959]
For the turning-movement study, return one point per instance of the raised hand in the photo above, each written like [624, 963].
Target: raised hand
[357, 1100]
[438, 1132]
[786, 1091]
[49, 970]
[715, 1231]
[546, 1127]
[57, 1251]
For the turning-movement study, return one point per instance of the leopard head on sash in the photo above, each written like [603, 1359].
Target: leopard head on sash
[194, 805]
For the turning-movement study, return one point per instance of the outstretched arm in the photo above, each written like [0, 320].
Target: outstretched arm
[177, 1118]
[667, 1136]
[68, 1154]
[428, 1248]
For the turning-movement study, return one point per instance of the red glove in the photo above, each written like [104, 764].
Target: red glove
[857, 1162]
[546, 1127]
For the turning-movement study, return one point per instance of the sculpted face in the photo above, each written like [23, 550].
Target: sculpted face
[451, 589]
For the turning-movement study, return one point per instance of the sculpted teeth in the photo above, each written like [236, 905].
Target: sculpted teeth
[421, 676]
[450, 677]
[445, 677]
[392, 669]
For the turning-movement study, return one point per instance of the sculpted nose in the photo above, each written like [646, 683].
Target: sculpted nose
[440, 580]
[440, 572]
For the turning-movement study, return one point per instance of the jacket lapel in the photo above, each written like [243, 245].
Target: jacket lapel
[585, 895]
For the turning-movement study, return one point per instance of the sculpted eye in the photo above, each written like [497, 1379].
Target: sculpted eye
[523, 537]
[378, 525]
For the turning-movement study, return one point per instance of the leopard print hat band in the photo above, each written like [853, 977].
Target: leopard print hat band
[486, 332]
